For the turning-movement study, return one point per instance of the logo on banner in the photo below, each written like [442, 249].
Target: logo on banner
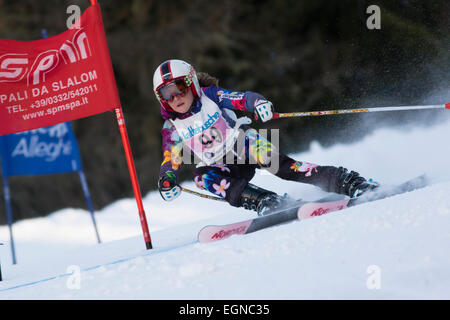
[32, 145]
[47, 150]
[57, 79]
[15, 66]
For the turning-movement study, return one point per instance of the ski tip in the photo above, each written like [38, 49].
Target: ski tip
[204, 235]
[447, 105]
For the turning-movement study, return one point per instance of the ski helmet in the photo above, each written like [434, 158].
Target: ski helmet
[170, 71]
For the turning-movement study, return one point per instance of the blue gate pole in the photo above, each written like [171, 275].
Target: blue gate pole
[0, 272]
[7, 196]
[1, 266]
[88, 201]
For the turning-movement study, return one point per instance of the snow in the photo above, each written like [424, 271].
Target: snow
[396, 248]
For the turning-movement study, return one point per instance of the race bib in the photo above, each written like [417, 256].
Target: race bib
[207, 133]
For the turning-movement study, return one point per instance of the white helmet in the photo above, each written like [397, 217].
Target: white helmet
[172, 70]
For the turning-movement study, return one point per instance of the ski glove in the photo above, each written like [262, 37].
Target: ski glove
[263, 110]
[168, 189]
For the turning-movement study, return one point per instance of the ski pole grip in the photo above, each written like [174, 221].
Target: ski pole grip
[447, 105]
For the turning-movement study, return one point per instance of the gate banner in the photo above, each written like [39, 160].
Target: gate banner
[57, 79]
[46, 150]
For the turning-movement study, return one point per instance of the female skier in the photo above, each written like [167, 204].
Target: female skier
[199, 115]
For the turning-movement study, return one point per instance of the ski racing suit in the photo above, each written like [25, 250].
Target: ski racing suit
[214, 118]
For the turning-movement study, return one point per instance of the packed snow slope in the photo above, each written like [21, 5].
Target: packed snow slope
[396, 248]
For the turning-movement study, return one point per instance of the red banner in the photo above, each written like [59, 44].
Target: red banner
[57, 79]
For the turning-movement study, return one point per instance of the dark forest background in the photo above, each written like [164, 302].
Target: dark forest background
[301, 55]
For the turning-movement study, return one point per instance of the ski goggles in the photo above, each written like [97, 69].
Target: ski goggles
[173, 89]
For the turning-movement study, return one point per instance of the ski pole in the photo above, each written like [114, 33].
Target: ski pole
[201, 194]
[277, 115]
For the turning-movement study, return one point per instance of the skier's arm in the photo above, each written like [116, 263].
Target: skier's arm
[244, 101]
[168, 173]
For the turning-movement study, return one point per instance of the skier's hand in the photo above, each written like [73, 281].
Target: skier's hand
[263, 110]
[168, 189]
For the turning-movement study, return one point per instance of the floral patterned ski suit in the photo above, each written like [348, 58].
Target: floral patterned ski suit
[229, 180]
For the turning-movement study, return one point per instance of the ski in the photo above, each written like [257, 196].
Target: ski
[303, 210]
[318, 208]
[218, 232]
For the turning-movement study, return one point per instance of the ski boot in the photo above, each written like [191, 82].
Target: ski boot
[260, 200]
[353, 185]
